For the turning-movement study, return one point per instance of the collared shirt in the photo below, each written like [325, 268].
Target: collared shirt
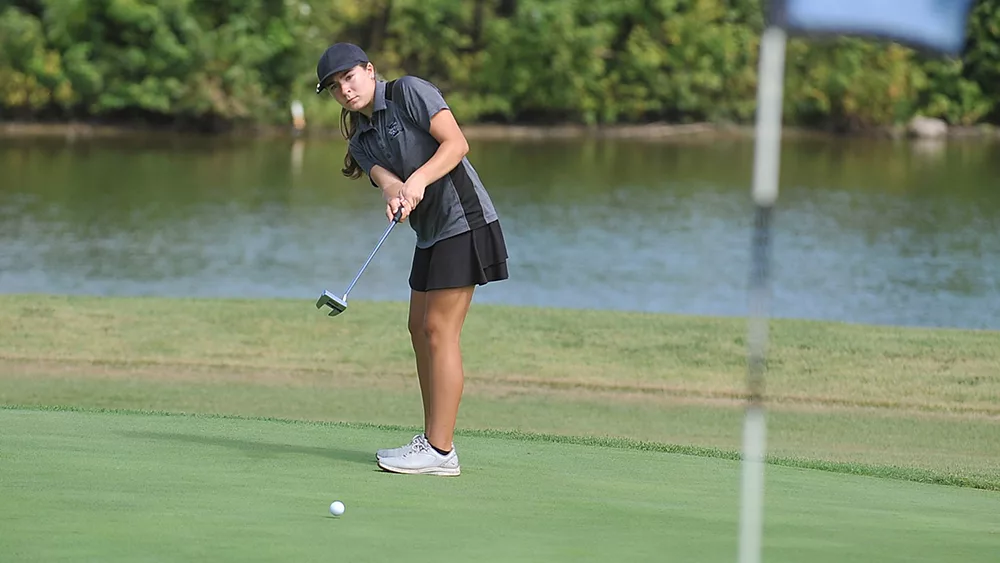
[398, 138]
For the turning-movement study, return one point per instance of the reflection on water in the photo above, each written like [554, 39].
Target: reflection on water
[865, 231]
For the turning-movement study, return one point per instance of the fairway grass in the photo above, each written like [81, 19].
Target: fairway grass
[129, 486]
[152, 429]
[920, 401]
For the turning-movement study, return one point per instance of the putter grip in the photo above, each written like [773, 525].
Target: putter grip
[398, 215]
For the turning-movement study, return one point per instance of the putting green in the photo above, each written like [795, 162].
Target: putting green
[126, 486]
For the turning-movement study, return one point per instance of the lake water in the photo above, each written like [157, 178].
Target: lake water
[866, 231]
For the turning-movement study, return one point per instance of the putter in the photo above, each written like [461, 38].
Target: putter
[336, 304]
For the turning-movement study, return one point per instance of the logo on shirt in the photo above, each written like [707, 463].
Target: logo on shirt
[394, 129]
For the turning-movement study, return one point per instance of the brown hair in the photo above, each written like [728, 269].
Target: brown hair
[348, 125]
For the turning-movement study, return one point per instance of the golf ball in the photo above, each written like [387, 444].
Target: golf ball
[337, 508]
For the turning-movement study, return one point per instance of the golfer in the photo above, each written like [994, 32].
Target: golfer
[404, 137]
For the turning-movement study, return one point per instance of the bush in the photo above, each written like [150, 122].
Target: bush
[225, 61]
[171, 59]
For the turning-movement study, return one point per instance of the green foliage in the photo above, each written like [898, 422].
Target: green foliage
[694, 58]
[850, 83]
[31, 76]
[218, 61]
[981, 63]
[950, 95]
[547, 61]
[175, 59]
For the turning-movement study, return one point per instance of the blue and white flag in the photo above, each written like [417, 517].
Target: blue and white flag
[937, 25]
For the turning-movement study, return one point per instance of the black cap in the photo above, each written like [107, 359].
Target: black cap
[338, 58]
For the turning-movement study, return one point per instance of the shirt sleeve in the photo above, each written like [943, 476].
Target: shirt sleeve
[421, 99]
[365, 160]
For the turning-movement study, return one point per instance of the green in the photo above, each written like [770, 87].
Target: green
[128, 486]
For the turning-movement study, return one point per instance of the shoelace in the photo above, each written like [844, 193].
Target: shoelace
[418, 446]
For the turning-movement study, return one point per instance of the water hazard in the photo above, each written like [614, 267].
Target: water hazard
[867, 231]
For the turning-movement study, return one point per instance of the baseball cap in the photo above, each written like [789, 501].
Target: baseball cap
[337, 58]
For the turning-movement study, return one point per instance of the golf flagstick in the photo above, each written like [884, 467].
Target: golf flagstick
[928, 25]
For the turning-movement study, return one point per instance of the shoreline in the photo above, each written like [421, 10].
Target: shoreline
[484, 131]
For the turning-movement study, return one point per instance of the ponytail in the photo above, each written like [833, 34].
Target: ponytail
[348, 125]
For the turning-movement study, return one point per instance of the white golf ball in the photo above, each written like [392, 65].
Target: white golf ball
[337, 508]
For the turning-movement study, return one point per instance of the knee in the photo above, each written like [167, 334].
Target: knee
[436, 332]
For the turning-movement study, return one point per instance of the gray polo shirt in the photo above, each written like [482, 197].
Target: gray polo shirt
[397, 138]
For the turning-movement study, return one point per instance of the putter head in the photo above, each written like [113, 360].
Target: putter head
[336, 304]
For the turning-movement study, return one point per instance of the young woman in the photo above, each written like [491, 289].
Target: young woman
[403, 136]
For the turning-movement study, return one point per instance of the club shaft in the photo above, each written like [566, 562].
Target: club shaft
[370, 256]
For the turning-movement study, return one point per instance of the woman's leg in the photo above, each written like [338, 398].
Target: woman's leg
[418, 337]
[444, 315]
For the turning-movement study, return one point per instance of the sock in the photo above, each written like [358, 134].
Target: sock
[438, 450]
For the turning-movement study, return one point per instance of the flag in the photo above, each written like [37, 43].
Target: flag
[934, 25]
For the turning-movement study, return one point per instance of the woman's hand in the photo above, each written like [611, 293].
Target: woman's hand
[391, 194]
[397, 193]
[411, 194]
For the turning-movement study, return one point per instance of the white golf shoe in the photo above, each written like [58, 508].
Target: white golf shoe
[396, 452]
[421, 459]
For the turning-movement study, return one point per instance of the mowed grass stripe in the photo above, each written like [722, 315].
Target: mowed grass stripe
[139, 487]
[572, 350]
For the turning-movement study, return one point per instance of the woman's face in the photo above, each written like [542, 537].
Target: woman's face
[354, 88]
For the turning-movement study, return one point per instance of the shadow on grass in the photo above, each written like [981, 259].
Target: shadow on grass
[258, 448]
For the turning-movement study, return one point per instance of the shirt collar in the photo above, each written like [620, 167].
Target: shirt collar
[363, 121]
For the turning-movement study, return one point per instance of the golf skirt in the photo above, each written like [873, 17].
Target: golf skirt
[475, 257]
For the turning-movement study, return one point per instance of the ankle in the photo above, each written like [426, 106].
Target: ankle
[437, 449]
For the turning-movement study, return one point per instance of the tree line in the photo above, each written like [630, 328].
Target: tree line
[215, 63]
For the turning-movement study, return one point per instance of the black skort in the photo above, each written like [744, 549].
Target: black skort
[475, 257]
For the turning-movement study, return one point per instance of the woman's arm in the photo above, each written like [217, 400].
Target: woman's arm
[391, 186]
[451, 150]
[386, 180]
